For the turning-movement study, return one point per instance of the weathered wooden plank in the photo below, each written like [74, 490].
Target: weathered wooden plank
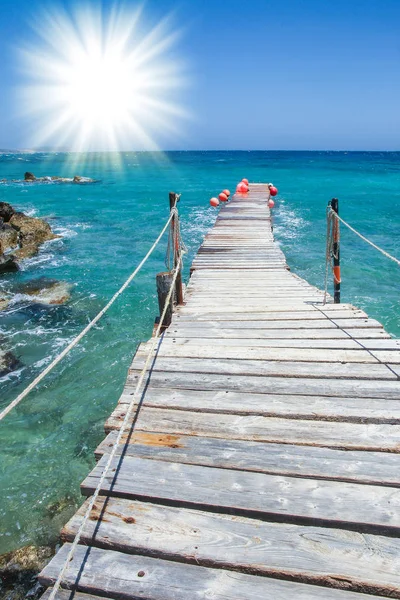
[253, 427]
[347, 324]
[295, 406]
[253, 314]
[366, 508]
[343, 343]
[217, 330]
[357, 388]
[306, 554]
[282, 368]
[247, 353]
[311, 462]
[388, 356]
[130, 577]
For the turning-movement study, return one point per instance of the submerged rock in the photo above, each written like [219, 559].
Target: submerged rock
[8, 362]
[19, 570]
[45, 291]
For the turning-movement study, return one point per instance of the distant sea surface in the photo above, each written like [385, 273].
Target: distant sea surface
[47, 443]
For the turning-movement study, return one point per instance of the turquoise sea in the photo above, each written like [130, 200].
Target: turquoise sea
[47, 443]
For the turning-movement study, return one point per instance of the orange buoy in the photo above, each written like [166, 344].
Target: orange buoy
[271, 203]
[226, 192]
[242, 188]
[246, 181]
[273, 190]
[214, 202]
[223, 197]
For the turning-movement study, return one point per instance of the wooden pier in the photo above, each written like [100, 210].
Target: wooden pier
[263, 462]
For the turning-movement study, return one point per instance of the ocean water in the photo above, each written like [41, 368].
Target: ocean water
[47, 443]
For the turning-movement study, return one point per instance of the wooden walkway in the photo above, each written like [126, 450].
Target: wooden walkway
[264, 461]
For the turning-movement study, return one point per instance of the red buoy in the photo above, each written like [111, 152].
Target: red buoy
[223, 197]
[273, 190]
[214, 202]
[226, 192]
[242, 188]
[271, 203]
[246, 181]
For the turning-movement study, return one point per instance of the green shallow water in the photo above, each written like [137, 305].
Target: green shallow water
[47, 443]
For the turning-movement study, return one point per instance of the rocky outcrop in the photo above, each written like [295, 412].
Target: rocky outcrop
[41, 291]
[30, 177]
[31, 233]
[8, 264]
[20, 236]
[45, 291]
[19, 569]
[6, 211]
[8, 362]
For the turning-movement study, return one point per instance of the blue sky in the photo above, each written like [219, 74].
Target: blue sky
[287, 74]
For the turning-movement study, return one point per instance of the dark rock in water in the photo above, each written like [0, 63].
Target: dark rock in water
[19, 570]
[30, 178]
[20, 234]
[31, 233]
[59, 506]
[45, 291]
[4, 302]
[8, 264]
[6, 211]
[8, 237]
[8, 363]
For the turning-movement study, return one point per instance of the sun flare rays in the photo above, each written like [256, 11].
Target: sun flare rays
[101, 81]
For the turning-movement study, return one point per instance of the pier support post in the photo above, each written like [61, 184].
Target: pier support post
[173, 200]
[336, 253]
[164, 281]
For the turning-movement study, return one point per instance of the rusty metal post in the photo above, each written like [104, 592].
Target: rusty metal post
[173, 200]
[336, 253]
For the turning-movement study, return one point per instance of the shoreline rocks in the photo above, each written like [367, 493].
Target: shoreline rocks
[20, 236]
[19, 570]
[31, 178]
[45, 291]
[8, 362]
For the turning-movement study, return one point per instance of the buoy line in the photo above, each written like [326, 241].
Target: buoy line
[88, 327]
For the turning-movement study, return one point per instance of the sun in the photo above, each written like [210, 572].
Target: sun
[102, 81]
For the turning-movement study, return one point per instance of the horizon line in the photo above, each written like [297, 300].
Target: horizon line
[55, 151]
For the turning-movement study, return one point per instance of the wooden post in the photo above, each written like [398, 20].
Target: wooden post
[173, 200]
[163, 281]
[336, 253]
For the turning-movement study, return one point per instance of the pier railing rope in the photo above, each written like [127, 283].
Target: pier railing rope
[117, 442]
[333, 247]
[381, 250]
[77, 339]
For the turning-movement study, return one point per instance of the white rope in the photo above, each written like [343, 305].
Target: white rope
[367, 240]
[78, 338]
[93, 499]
